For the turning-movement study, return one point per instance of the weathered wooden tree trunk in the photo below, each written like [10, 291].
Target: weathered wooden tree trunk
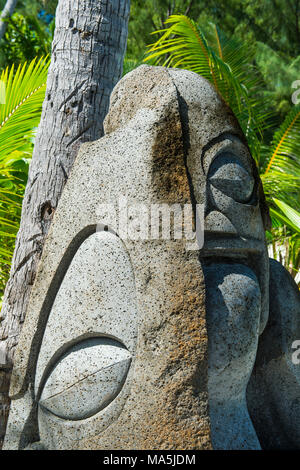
[7, 12]
[87, 57]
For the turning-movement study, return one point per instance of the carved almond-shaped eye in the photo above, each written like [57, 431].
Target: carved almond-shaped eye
[86, 379]
[227, 174]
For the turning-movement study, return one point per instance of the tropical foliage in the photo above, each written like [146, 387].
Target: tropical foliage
[26, 37]
[29, 33]
[23, 92]
[228, 64]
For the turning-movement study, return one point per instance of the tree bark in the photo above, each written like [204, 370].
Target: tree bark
[6, 13]
[87, 58]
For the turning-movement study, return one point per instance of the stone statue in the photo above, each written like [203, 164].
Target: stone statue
[136, 341]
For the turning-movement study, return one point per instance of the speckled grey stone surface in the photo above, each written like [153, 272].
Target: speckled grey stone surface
[138, 311]
[86, 379]
[274, 389]
[233, 312]
[97, 290]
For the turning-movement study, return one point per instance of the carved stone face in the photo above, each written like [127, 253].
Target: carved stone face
[114, 353]
[234, 258]
[224, 177]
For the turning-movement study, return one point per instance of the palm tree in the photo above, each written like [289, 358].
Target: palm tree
[228, 65]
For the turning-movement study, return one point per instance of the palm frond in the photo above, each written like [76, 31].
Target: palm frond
[285, 148]
[24, 95]
[285, 237]
[290, 214]
[280, 165]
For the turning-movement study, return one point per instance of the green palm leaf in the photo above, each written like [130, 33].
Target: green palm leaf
[19, 116]
[280, 166]
[291, 216]
[285, 148]
[287, 232]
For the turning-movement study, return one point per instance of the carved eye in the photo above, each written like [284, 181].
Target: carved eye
[227, 174]
[86, 378]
